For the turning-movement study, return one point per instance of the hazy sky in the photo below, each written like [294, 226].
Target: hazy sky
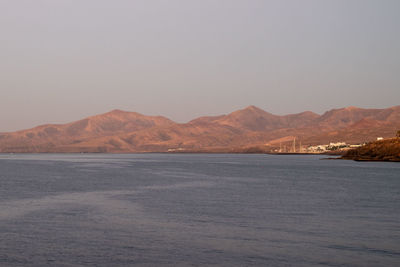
[67, 59]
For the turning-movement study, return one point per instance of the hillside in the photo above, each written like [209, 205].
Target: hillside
[383, 150]
[247, 129]
[56, 137]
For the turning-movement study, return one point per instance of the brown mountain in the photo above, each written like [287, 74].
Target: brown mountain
[55, 137]
[256, 119]
[252, 127]
[355, 125]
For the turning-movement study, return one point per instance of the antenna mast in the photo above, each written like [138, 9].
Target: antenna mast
[294, 145]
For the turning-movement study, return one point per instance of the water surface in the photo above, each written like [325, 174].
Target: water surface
[197, 209]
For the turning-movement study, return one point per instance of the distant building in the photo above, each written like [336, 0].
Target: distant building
[337, 144]
[354, 146]
[316, 149]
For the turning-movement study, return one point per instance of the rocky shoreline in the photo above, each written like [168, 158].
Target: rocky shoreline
[383, 150]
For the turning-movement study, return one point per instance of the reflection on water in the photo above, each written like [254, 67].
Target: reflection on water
[180, 210]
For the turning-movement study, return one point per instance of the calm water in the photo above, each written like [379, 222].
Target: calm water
[194, 210]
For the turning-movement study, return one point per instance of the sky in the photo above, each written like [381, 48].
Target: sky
[64, 60]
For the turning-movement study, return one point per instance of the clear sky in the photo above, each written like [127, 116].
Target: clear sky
[67, 59]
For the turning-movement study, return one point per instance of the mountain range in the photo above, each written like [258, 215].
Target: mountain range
[245, 130]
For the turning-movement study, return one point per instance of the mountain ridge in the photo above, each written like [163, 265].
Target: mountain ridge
[119, 131]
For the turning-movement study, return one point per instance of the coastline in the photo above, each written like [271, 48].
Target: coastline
[381, 150]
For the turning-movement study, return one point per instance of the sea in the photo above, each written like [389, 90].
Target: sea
[197, 210]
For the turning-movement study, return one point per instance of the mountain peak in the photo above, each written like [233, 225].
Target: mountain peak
[250, 110]
[253, 108]
[250, 118]
[116, 111]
